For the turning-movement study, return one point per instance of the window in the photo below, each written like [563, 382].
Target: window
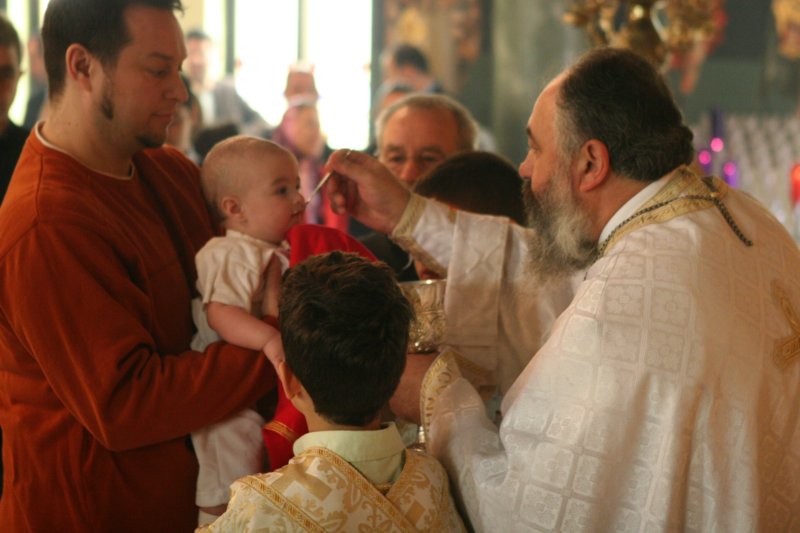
[334, 37]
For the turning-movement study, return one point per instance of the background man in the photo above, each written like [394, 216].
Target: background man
[220, 102]
[100, 228]
[38, 78]
[12, 137]
[407, 64]
[665, 396]
[414, 135]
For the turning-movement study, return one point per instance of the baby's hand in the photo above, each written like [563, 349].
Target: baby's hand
[273, 349]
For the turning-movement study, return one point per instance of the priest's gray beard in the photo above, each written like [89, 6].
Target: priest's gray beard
[560, 243]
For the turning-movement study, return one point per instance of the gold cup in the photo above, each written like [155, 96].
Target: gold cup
[427, 327]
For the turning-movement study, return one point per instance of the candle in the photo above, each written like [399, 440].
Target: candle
[705, 160]
[730, 174]
[795, 179]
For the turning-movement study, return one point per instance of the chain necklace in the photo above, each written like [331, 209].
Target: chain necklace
[713, 197]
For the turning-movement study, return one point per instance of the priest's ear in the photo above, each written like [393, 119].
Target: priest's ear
[593, 165]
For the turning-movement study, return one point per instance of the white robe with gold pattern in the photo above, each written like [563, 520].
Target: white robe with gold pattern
[667, 396]
[318, 491]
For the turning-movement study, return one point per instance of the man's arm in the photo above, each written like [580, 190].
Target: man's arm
[113, 343]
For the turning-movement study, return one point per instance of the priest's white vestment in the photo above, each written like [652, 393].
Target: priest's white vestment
[666, 397]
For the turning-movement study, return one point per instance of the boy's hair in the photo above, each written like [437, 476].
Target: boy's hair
[344, 326]
[221, 175]
[480, 182]
[9, 37]
[98, 25]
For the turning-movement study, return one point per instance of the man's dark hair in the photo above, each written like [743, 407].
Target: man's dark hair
[617, 97]
[9, 36]
[98, 25]
[344, 326]
[406, 54]
[480, 182]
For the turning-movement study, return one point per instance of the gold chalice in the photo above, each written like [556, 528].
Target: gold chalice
[427, 327]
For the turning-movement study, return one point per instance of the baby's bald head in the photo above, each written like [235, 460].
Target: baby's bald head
[234, 165]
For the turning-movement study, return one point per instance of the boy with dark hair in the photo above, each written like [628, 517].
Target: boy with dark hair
[344, 324]
[479, 182]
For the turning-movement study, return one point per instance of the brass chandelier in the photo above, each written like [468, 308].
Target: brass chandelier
[656, 29]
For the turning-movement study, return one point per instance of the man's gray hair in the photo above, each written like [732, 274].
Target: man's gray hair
[465, 124]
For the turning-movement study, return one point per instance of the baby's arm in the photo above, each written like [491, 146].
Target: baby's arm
[239, 327]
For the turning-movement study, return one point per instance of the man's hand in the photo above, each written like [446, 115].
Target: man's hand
[405, 402]
[365, 189]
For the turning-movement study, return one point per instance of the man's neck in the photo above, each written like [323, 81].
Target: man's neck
[77, 137]
[619, 210]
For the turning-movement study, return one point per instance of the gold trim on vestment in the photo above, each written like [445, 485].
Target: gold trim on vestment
[281, 429]
[679, 197]
[297, 471]
[440, 374]
[295, 513]
[402, 234]
[787, 349]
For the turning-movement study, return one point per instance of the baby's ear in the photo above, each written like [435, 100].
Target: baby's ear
[231, 207]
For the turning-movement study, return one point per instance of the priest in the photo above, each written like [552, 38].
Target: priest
[666, 395]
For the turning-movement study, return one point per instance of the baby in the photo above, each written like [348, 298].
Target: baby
[252, 188]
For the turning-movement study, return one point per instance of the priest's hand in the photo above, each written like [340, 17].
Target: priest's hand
[365, 189]
[405, 402]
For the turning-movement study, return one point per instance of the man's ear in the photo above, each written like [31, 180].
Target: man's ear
[80, 65]
[593, 165]
[231, 207]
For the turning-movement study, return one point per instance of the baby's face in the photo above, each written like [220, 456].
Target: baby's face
[273, 202]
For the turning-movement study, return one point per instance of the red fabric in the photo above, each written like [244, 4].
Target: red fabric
[98, 387]
[289, 424]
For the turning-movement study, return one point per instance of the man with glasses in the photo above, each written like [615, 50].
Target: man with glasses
[12, 137]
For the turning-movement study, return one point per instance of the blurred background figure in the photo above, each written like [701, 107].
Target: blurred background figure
[418, 132]
[221, 104]
[300, 133]
[37, 100]
[300, 82]
[407, 64]
[388, 93]
[12, 137]
[185, 125]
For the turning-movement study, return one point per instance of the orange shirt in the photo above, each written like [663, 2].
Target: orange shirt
[98, 388]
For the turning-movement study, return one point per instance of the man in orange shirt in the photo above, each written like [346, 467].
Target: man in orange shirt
[100, 227]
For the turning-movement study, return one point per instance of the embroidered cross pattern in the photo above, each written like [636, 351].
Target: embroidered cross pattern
[787, 350]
